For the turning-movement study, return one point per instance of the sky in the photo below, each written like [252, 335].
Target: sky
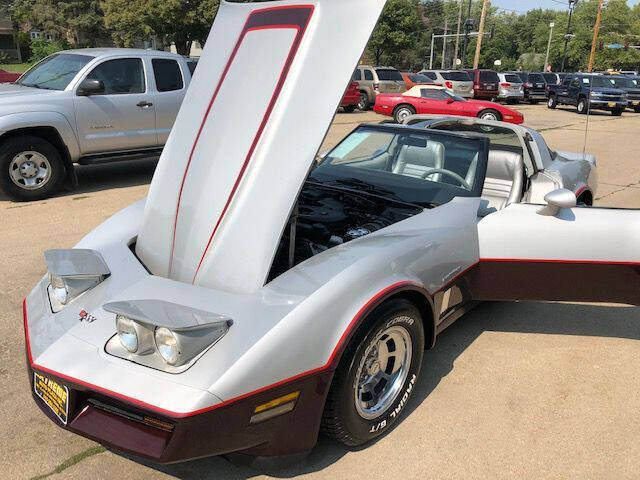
[524, 5]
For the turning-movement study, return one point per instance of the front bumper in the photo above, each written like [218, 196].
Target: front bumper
[607, 104]
[136, 430]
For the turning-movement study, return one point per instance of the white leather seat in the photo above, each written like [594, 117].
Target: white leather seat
[416, 161]
[504, 180]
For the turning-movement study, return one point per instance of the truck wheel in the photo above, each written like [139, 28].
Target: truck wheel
[31, 168]
[552, 102]
[616, 112]
[636, 109]
[364, 103]
[349, 108]
[376, 375]
[582, 106]
[402, 112]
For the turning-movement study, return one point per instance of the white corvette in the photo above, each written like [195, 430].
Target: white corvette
[247, 303]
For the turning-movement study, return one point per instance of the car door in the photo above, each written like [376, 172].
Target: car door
[573, 91]
[432, 101]
[123, 116]
[562, 90]
[170, 84]
[584, 254]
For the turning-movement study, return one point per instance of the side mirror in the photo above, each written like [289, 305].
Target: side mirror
[90, 87]
[557, 199]
[450, 100]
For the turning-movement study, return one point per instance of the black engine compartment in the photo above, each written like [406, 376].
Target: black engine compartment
[326, 216]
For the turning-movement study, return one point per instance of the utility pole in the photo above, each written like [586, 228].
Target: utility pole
[596, 31]
[467, 28]
[546, 58]
[567, 36]
[444, 44]
[476, 58]
[431, 54]
[455, 52]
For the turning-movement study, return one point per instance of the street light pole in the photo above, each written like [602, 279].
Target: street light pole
[546, 59]
[467, 28]
[572, 4]
[455, 53]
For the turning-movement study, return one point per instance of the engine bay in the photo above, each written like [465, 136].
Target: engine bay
[327, 216]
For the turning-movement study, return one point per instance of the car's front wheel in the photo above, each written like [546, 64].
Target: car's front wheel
[376, 374]
[616, 112]
[582, 106]
[31, 168]
[552, 102]
[402, 112]
[363, 104]
[490, 114]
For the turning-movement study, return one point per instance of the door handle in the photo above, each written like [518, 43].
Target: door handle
[144, 104]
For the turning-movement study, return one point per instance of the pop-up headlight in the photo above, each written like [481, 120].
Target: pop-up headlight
[178, 334]
[71, 273]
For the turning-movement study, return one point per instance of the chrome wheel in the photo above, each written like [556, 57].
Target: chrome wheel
[383, 370]
[30, 170]
[402, 114]
[489, 116]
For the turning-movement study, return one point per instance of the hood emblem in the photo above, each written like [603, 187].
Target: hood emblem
[86, 317]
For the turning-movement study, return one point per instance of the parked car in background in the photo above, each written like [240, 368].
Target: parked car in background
[437, 100]
[631, 87]
[551, 78]
[485, 83]
[534, 86]
[8, 77]
[413, 79]
[86, 106]
[351, 97]
[457, 82]
[588, 92]
[375, 80]
[510, 88]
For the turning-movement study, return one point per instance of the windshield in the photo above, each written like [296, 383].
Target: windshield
[550, 77]
[55, 72]
[602, 82]
[623, 82]
[418, 167]
[456, 76]
[388, 74]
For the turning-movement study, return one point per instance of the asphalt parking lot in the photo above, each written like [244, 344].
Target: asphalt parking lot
[512, 390]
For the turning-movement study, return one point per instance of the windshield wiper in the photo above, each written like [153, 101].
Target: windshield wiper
[35, 85]
[360, 186]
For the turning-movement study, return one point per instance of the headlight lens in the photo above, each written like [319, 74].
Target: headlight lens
[596, 94]
[167, 345]
[58, 289]
[127, 333]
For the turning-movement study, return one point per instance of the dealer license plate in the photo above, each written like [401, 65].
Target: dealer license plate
[635, 103]
[56, 396]
[612, 104]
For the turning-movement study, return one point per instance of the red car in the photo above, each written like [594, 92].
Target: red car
[8, 77]
[430, 99]
[351, 97]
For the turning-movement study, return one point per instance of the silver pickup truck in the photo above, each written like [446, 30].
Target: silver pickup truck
[86, 106]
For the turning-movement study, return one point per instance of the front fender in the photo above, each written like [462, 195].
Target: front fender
[17, 121]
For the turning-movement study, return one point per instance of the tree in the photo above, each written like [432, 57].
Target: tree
[176, 21]
[398, 31]
[78, 21]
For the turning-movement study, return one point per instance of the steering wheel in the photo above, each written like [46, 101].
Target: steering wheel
[448, 173]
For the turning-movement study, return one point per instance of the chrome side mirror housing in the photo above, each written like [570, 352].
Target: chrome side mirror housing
[558, 199]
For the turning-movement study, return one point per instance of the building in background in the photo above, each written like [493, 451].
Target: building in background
[8, 40]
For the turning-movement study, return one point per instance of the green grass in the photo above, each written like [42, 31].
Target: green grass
[15, 67]
[71, 461]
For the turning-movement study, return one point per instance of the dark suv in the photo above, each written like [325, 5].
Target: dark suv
[588, 92]
[485, 83]
[631, 86]
[534, 86]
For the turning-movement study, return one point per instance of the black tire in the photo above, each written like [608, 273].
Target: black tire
[533, 102]
[365, 102]
[616, 112]
[490, 114]
[341, 419]
[402, 111]
[13, 147]
[552, 102]
[582, 106]
[636, 109]
[350, 108]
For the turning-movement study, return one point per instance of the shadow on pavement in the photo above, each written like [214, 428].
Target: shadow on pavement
[521, 317]
[93, 178]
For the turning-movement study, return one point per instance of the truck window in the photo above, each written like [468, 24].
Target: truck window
[368, 75]
[357, 75]
[121, 76]
[167, 74]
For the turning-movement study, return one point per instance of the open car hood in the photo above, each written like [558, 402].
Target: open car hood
[263, 97]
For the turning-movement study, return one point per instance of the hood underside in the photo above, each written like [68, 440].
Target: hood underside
[255, 115]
